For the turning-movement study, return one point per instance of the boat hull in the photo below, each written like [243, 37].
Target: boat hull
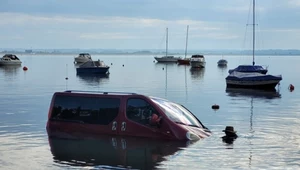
[264, 85]
[166, 59]
[252, 80]
[93, 70]
[10, 63]
[184, 61]
[81, 60]
[197, 64]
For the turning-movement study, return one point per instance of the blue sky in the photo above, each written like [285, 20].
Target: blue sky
[141, 24]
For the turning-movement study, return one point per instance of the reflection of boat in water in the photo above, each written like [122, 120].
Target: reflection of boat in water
[197, 72]
[93, 79]
[110, 151]
[10, 69]
[238, 92]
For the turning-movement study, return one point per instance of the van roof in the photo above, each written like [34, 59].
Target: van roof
[99, 92]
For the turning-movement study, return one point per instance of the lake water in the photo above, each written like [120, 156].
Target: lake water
[267, 123]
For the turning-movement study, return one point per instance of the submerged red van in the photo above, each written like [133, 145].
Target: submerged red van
[118, 113]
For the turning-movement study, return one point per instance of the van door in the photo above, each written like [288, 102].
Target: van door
[136, 119]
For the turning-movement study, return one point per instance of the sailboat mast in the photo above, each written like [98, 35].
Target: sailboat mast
[167, 42]
[253, 48]
[186, 40]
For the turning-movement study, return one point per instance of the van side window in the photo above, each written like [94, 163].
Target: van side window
[82, 109]
[140, 111]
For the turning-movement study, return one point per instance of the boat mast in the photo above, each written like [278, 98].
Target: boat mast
[186, 41]
[167, 42]
[253, 48]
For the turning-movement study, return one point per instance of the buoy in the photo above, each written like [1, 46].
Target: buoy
[123, 65]
[215, 107]
[25, 68]
[110, 63]
[163, 68]
[66, 78]
[291, 87]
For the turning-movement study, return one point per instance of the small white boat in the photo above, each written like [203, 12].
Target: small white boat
[10, 59]
[197, 61]
[167, 59]
[222, 62]
[82, 58]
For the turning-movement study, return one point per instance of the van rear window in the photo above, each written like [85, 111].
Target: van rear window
[82, 109]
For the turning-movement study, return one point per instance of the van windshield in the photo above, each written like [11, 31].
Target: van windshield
[177, 113]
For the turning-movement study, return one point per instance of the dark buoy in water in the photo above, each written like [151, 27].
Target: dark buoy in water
[291, 87]
[25, 68]
[110, 63]
[215, 107]
[123, 65]
[66, 78]
[163, 68]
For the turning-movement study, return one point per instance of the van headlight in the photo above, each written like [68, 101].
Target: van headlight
[192, 136]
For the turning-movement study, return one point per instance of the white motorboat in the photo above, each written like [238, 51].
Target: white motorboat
[10, 59]
[197, 61]
[82, 58]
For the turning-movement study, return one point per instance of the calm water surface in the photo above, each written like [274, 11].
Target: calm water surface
[267, 123]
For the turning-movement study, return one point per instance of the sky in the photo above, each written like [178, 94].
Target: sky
[141, 24]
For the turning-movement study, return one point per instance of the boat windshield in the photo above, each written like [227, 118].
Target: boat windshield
[177, 113]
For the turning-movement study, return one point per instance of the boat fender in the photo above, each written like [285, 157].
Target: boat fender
[215, 107]
[25, 68]
[291, 87]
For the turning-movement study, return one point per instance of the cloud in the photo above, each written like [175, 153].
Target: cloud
[294, 3]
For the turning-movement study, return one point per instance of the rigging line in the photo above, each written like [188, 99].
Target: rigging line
[246, 30]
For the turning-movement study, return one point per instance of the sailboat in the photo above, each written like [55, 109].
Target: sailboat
[167, 58]
[185, 61]
[252, 76]
[253, 67]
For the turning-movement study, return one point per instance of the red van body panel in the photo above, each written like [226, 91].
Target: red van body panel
[121, 124]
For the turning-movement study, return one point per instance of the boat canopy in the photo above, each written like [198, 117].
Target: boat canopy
[197, 56]
[11, 56]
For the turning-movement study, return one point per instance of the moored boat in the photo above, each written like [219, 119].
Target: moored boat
[10, 59]
[222, 62]
[93, 67]
[252, 80]
[197, 61]
[82, 58]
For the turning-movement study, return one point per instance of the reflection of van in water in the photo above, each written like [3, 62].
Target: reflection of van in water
[128, 114]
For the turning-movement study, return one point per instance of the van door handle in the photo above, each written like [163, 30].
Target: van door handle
[114, 126]
[123, 128]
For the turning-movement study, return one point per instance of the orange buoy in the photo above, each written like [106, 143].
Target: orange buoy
[25, 68]
[215, 107]
[291, 87]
